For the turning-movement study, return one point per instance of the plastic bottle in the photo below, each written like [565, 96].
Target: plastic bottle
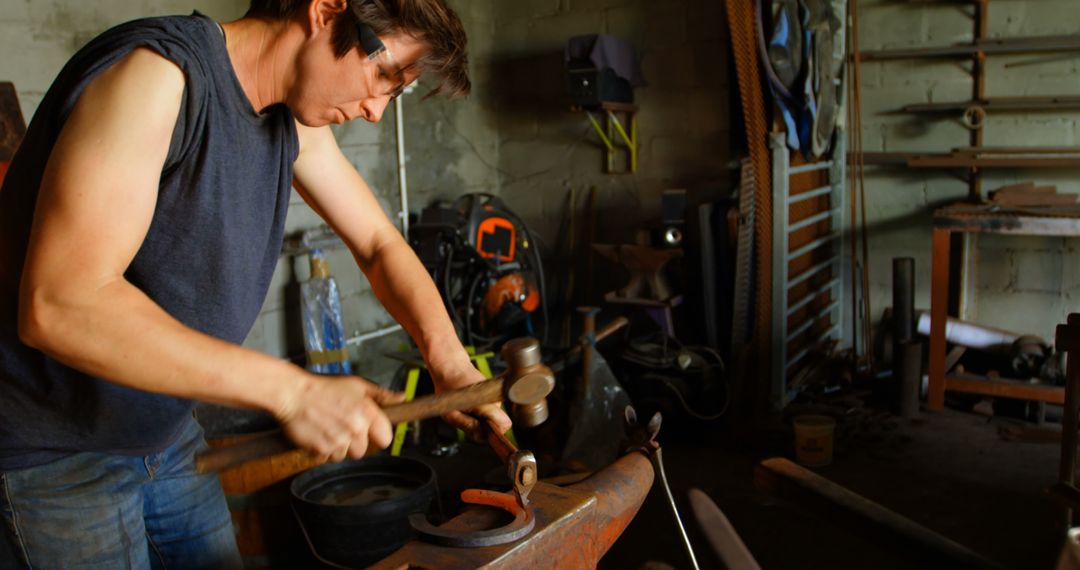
[324, 332]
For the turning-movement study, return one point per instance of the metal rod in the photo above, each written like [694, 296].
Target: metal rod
[908, 375]
[403, 183]
[622, 132]
[810, 322]
[1000, 104]
[833, 330]
[816, 218]
[812, 246]
[810, 194]
[810, 167]
[600, 131]
[364, 337]
[1046, 44]
[658, 464]
[781, 192]
[903, 308]
[813, 270]
[812, 295]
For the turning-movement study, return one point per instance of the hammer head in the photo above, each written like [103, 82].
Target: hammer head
[527, 382]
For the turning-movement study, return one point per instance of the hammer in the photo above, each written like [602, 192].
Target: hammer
[526, 384]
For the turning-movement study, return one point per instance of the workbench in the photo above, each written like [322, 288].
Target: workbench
[1057, 221]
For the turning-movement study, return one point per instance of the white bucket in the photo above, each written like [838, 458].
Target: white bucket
[814, 440]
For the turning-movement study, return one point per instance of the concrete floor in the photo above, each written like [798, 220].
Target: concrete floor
[949, 471]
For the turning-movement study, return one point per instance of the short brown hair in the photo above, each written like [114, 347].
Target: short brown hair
[430, 21]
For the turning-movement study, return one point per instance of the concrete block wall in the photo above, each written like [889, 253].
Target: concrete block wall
[37, 38]
[545, 149]
[451, 148]
[514, 136]
[1026, 284]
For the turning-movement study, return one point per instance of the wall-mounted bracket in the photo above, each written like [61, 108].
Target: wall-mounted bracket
[608, 125]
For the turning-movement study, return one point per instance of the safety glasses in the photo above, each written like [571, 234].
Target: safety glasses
[389, 70]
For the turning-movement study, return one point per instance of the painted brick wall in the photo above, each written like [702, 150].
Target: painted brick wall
[1018, 283]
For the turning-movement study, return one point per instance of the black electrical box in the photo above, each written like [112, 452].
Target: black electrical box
[589, 86]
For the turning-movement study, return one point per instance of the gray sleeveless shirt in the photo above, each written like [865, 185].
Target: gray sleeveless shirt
[207, 259]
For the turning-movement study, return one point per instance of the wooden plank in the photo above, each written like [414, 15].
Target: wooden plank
[1005, 388]
[837, 504]
[1021, 187]
[1035, 199]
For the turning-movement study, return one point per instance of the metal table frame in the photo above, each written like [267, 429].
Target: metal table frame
[979, 220]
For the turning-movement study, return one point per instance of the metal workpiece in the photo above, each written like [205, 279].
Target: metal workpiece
[523, 522]
[588, 343]
[521, 469]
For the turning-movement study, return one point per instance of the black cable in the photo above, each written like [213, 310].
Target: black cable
[469, 305]
[539, 269]
[448, 298]
[541, 282]
[682, 401]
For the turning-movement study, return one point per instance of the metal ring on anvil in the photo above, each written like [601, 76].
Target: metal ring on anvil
[523, 523]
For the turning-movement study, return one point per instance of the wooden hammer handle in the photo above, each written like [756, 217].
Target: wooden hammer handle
[274, 443]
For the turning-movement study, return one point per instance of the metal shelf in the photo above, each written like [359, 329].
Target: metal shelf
[1000, 104]
[981, 157]
[989, 46]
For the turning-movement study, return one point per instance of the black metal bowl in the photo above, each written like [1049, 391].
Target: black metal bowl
[355, 513]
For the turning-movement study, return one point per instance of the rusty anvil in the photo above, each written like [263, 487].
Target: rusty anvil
[574, 527]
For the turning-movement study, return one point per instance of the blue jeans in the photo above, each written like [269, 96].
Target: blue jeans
[104, 511]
